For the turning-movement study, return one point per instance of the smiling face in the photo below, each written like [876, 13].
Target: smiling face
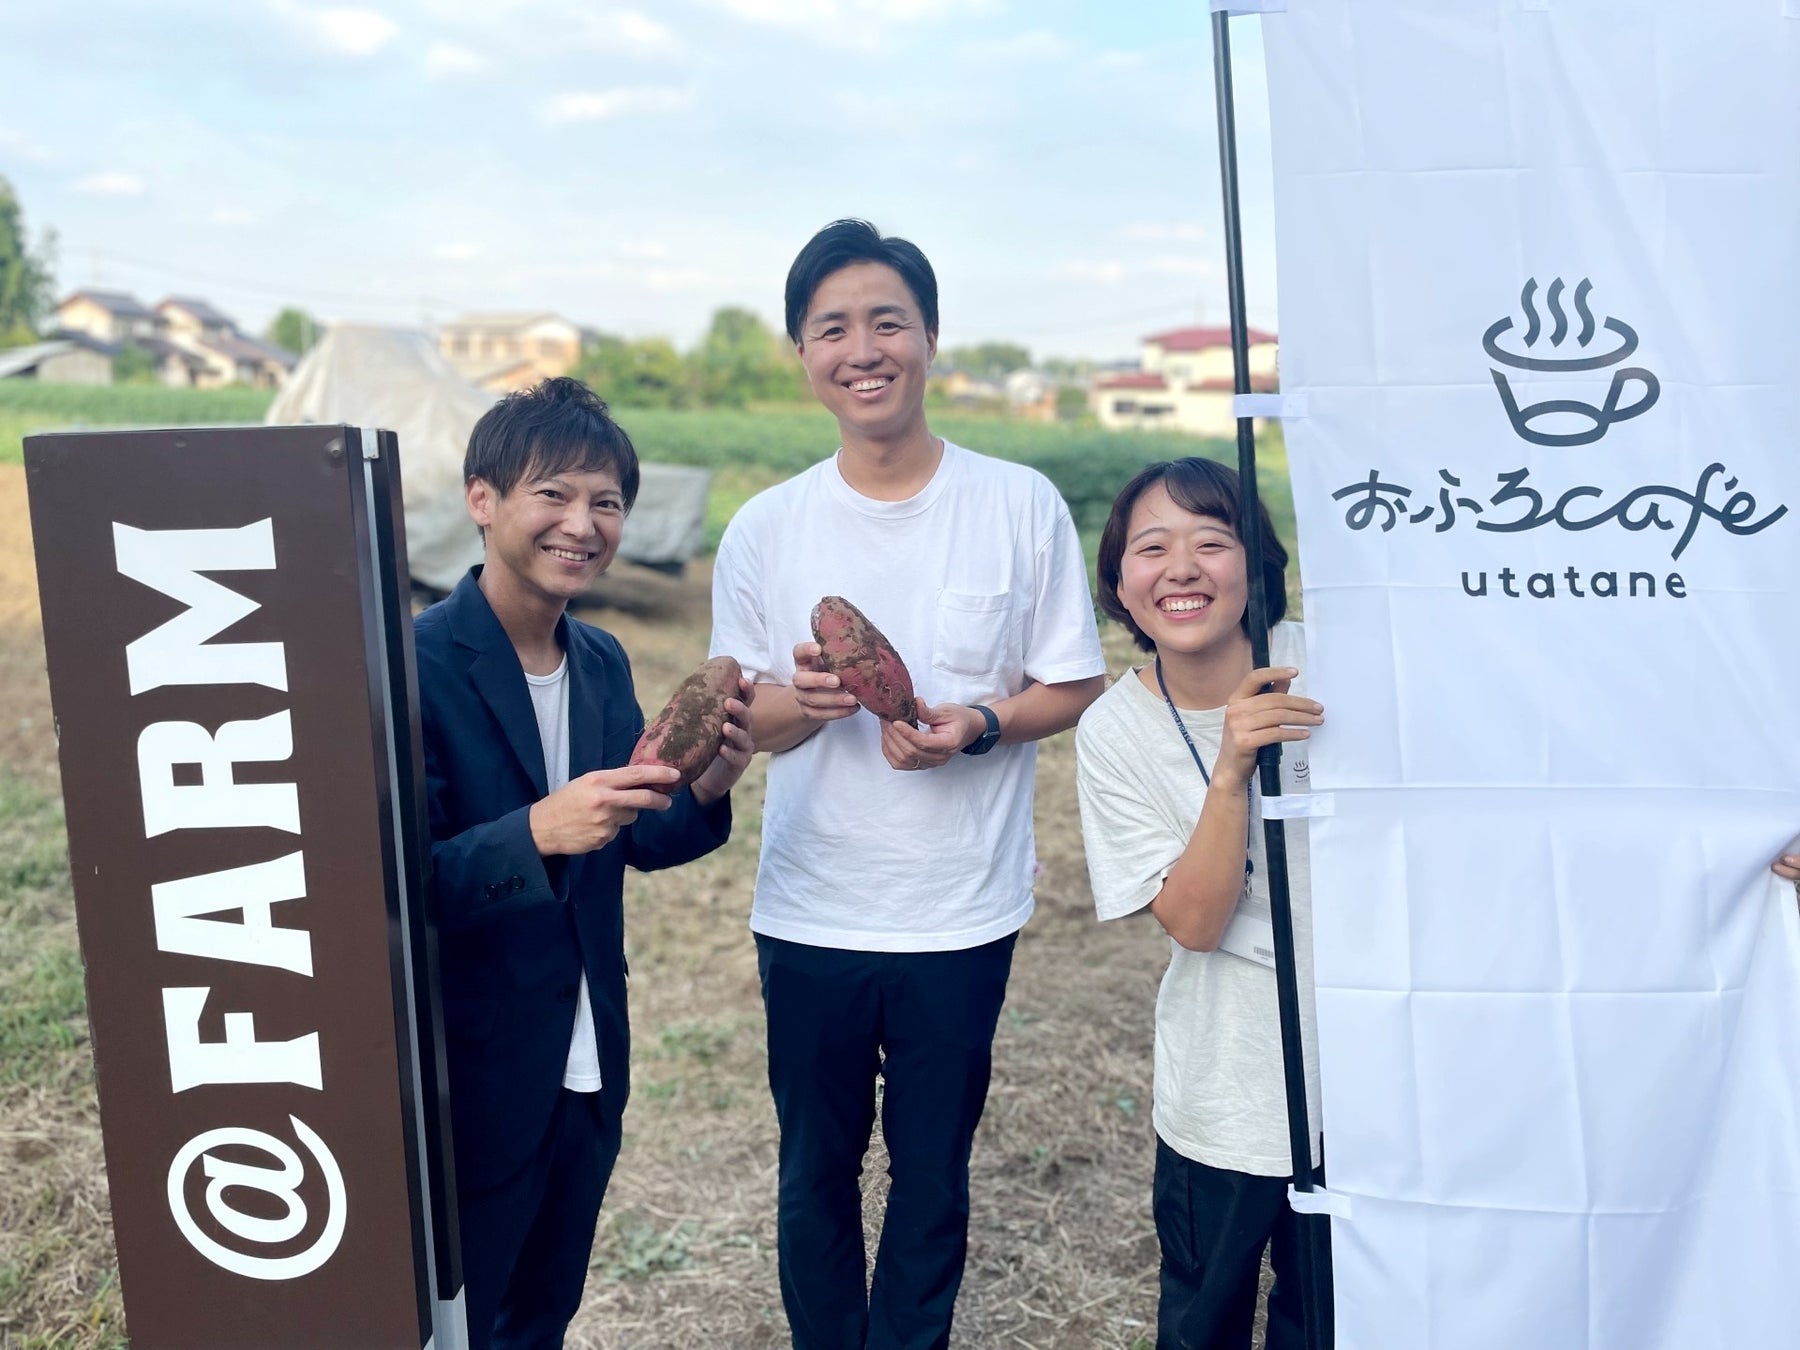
[866, 351]
[547, 538]
[1182, 578]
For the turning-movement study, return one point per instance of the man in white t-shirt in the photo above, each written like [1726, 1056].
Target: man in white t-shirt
[896, 860]
[528, 718]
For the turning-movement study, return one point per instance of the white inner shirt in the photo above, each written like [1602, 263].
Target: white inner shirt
[550, 701]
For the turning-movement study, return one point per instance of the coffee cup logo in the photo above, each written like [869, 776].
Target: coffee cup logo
[1578, 358]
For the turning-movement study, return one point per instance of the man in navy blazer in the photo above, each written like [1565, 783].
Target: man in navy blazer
[529, 717]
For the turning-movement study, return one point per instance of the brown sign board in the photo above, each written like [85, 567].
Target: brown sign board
[229, 649]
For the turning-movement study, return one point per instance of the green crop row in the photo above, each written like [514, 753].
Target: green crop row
[747, 449]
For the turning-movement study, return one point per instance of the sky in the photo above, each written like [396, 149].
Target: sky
[636, 166]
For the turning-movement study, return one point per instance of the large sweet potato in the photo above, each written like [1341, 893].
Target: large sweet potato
[688, 731]
[854, 650]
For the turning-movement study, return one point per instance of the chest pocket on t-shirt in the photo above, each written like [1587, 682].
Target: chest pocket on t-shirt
[976, 650]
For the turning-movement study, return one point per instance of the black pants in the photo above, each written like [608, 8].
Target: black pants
[526, 1241]
[1212, 1226]
[923, 1021]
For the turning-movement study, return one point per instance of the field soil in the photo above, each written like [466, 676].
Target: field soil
[1062, 1253]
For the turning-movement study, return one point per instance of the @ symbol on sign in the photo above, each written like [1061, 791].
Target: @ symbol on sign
[1599, 419]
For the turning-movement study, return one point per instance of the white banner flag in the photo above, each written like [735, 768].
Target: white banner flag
[1540, 293]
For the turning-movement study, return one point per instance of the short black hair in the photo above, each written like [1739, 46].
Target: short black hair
[844, 242]
[553, 427]
[1206, 488]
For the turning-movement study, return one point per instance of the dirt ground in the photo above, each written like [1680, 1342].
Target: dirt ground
[1062, 1253]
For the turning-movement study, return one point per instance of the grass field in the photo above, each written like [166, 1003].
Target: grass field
[1062, 1254]
[27, 406]
[746, 451]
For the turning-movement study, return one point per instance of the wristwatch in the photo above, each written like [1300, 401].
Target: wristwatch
[989, 738]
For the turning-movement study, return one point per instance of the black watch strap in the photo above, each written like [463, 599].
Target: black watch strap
[988, 738]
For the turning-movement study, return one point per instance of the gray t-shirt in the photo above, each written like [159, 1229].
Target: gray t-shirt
[1219, 1095]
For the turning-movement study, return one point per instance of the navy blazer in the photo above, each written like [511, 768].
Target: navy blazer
[516, 930]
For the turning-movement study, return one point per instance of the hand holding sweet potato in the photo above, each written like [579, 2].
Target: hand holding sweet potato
[864, 661]
[687, 733]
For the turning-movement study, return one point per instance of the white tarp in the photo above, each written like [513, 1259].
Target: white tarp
[396, 378]
[1539, 275]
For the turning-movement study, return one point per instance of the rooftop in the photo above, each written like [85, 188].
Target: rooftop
[506, 319]
[116, 303]
[1132, 379]
[19, 360]
[208, 316]
[1204, 339]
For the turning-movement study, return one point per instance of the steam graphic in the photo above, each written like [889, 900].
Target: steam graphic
[1578, 358]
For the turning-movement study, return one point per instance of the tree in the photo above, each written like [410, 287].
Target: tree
[27, 283]
[295, 330]
[133, 365]
[989, 360]
[1077, 370]
[648, 373]
[741, 359]
[1071, 403]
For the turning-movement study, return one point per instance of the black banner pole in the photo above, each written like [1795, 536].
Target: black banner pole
[1315, 1233]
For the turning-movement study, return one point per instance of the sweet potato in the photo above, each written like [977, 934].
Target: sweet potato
[687, 733]
[854, 650]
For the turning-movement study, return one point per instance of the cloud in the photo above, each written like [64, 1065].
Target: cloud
[446, 61]
[644, 249]
[16, 143]
[340, 31]
[232, 217]
[856, 23]
[1163, 232]
[1110, 271]
[110, 183]
[458, 252]
[1179, 265]
[631, 29]
[597, 105]
[1107, 272]
[1037, 47]
[675, 278]
[1117, 60]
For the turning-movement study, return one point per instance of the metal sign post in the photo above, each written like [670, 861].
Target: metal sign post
[1315, 1231]
[227, 632]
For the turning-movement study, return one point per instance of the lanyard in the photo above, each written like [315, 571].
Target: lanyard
[1188, 740]
[1181, 724]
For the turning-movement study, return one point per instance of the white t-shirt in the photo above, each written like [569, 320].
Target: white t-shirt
[1220, 1096]
[979, 583]
[550, 701]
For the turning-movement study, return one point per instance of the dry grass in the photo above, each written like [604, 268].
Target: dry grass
[1061, 1249]
[1061, 1252]
[58, 1283]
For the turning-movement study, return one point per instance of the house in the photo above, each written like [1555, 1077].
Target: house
[62, 361]
[180, 317]
[111, 316]
[225, 355]
[1184, 382]
[173, 365]
[189, 342]
[958, 386]
[507, 351]
[1030, 394]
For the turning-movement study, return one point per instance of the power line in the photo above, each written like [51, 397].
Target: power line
[261, 290]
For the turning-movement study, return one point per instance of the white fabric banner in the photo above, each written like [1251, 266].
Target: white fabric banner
[1540, 290]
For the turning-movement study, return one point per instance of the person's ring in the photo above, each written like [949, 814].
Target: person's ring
[917, 763]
